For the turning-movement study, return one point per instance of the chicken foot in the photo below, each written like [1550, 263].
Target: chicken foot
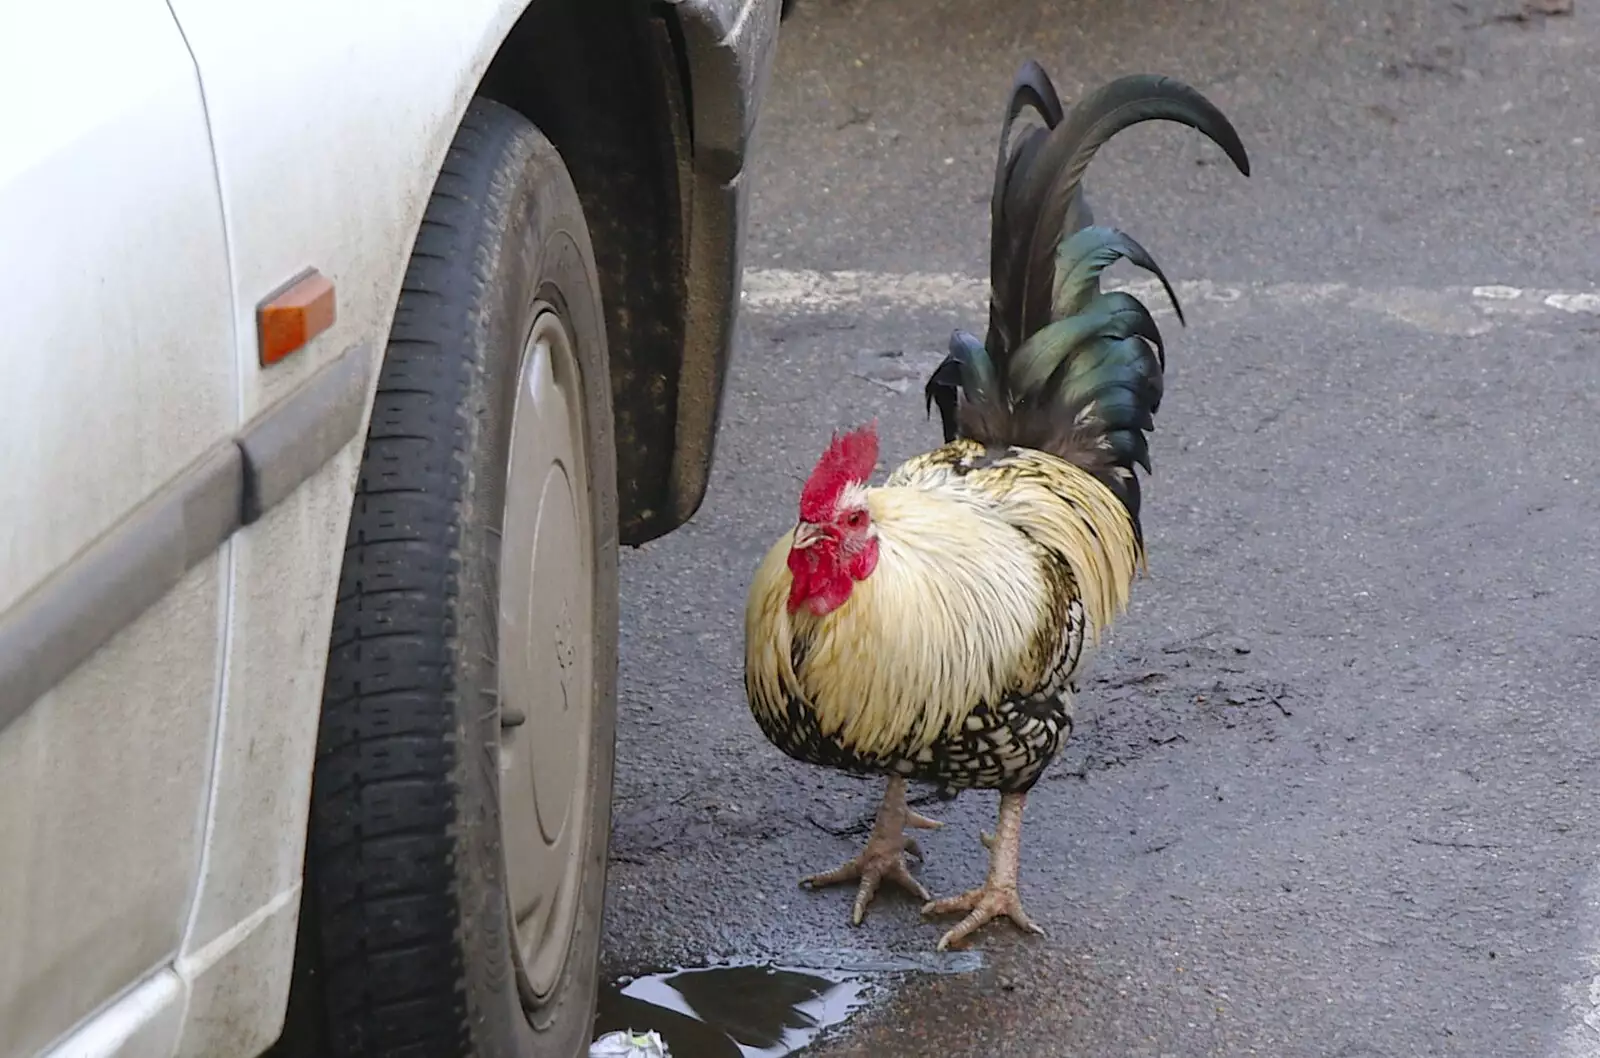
[884, 856]
[999, 893]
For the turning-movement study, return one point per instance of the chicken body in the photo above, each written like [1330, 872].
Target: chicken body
[934, 628]
[953, 663]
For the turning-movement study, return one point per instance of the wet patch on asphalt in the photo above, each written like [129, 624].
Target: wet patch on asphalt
[759, 1009]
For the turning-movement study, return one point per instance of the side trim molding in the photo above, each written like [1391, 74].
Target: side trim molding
[60, 624]
[55, 627]
[290, 441]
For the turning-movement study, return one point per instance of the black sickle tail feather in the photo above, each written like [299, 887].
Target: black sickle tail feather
[1050, 198]
[1031, 89]
[1068, 368]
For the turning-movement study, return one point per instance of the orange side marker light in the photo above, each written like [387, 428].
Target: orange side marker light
[294, 315]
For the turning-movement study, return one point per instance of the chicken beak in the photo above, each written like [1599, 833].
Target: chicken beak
[806, 535]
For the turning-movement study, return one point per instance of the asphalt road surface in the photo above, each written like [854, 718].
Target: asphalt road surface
[1334, 790]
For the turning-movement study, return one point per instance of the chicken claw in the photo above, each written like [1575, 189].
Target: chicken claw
[984, 905]
[999, 893]
[884, 856]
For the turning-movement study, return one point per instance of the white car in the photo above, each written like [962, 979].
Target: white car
[344, 341]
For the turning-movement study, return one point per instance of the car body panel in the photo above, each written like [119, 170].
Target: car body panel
[125, 288]
[102, 853]
[124, 283]
[143, 1022]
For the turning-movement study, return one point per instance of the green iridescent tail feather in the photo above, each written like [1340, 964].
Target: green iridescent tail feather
[1066, 367]
[1084, 387]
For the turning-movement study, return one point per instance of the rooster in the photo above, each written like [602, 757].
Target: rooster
[935, 628]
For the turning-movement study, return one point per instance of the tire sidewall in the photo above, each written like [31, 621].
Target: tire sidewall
[533, 249]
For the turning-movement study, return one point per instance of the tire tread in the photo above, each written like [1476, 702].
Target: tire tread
[383, 802]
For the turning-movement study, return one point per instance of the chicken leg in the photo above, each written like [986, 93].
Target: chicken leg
[884, 856]
[999, 893]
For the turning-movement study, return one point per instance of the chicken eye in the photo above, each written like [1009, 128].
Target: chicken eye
[855, 519]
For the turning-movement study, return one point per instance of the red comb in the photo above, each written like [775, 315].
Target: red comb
[849, 458]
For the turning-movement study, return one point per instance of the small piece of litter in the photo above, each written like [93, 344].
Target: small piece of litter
[629, 1045]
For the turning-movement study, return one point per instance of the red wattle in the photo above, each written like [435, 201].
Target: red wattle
[821, 583]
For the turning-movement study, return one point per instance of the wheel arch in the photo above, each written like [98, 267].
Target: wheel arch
[651, 105]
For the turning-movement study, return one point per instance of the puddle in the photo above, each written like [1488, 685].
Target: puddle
[756, 1010]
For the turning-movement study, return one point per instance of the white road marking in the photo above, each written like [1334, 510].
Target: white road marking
[1573, 302]
[1466, 311]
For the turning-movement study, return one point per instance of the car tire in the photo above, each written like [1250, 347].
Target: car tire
[470, 696]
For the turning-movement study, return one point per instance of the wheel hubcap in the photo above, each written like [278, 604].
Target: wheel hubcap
[546, 655]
